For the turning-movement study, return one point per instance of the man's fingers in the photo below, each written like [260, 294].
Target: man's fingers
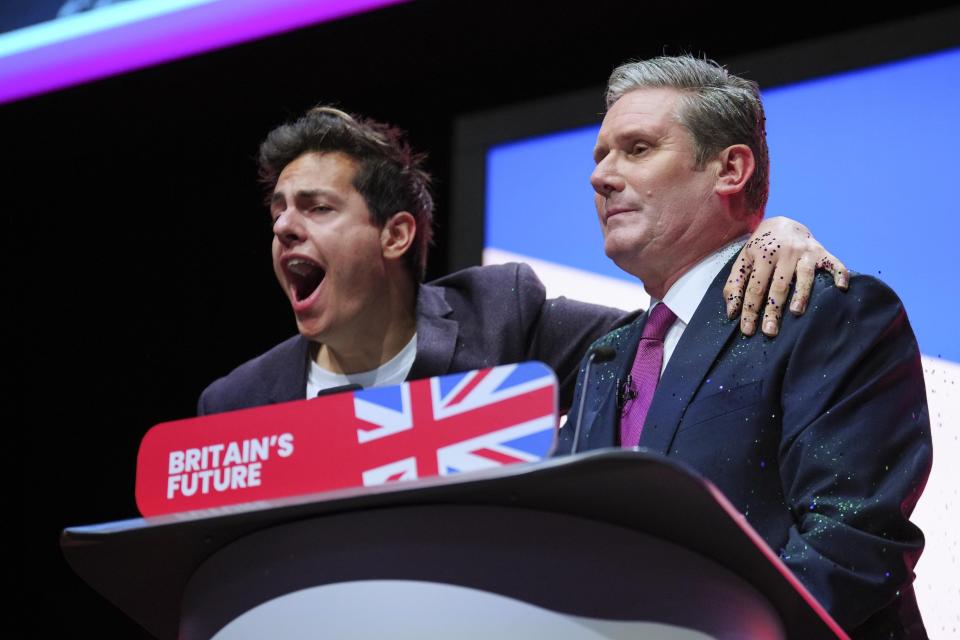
[777, 297]
[841, 276]
[806, 270]
[754, 297]
[736, 284]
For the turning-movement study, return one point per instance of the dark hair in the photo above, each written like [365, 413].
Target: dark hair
[718, 108]
[389, 175]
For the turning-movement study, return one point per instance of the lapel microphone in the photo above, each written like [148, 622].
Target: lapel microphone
[603, 353]
[625, 391]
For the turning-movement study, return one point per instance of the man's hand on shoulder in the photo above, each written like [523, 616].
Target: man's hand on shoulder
[778, 250]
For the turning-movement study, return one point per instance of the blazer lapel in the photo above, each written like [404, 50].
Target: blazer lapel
[291, 374]
[602, 428]
[704, 338]
[436, 334]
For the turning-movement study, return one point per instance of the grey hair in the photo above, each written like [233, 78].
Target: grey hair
[718, 108]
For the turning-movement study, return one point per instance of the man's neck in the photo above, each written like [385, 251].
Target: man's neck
[375, 340]
[685, 295]
[657, 285]
[347, 361]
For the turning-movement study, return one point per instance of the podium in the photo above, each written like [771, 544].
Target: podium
[606, 544]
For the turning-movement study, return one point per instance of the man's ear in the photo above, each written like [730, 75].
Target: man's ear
[397, 234]
[737, 164]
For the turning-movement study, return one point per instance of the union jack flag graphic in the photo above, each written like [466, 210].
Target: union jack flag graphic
[461, 422]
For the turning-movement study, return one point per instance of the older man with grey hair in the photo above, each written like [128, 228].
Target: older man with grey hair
[821, 436]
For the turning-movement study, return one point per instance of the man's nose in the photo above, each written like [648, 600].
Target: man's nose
[288, 227]
[605, 178]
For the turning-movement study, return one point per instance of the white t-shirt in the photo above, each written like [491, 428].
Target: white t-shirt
[394, 371]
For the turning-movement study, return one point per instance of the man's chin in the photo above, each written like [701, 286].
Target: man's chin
[311, 328]
[626, 259]
[617, 252]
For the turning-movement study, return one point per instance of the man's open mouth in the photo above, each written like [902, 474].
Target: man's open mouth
[304, 277]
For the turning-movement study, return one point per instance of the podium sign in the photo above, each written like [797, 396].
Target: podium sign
[436, 426]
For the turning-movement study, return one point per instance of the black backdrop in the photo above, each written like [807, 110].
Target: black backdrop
[138, 249]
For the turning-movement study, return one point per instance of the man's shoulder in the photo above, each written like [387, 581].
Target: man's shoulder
[626, 326]
[865, 296]
[489, 278]
[513, 290]
[484, 294]
[853, 330]
[251, 383]
[278, 355]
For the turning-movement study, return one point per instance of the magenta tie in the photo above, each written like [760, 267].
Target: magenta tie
[645, 374]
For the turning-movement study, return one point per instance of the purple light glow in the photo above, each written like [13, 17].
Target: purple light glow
[161, 39]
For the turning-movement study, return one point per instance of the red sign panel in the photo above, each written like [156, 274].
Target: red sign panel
[438, 426]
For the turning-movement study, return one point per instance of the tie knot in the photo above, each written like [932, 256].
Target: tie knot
[659, 322]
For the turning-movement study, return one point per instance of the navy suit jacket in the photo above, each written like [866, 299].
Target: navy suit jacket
[475, 318]
[819, 436]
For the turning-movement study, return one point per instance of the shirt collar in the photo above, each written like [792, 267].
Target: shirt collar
[685, 295]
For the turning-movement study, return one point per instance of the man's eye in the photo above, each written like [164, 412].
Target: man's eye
[639, 149]
[320, 208]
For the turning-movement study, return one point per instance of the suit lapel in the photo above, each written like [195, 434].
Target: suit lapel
[704, 338]
[602, 428]
[436, 334]
[291, 374]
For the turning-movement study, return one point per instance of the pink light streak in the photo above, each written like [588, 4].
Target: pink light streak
[161, 39]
